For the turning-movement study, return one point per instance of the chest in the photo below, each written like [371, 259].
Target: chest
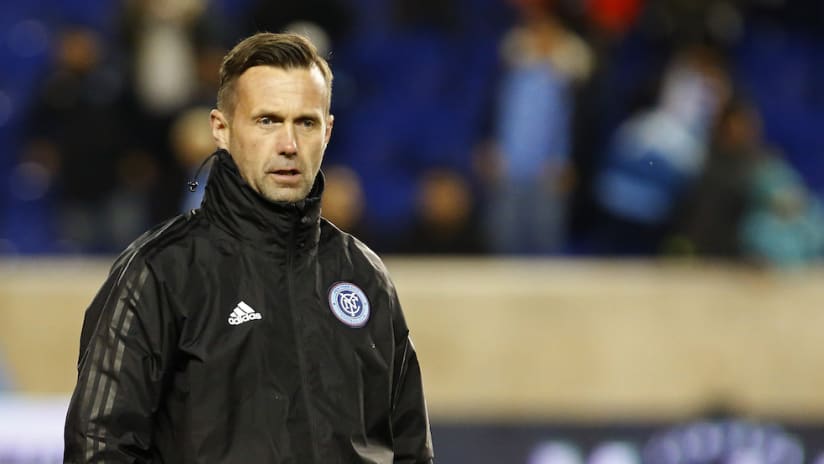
[263, 320]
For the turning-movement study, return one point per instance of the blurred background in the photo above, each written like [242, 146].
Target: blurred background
[604, 217]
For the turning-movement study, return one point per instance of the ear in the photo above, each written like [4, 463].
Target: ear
[221, 131]
[330, 121]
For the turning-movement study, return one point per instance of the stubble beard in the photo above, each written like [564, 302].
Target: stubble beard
[273, 193]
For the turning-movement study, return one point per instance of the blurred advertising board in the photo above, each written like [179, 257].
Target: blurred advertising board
[31, 432]
[702, 441]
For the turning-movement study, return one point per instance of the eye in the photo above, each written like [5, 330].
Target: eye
[307, 123]
[265, 121]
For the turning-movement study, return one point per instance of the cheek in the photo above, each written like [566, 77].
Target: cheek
[244, 154]
[248, 150]
[317, 157]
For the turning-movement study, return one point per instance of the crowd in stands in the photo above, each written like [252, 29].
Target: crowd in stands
[527, 127]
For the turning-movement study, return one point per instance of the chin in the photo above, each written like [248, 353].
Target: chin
[285, 195]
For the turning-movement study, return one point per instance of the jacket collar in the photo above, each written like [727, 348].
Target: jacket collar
[235, 207]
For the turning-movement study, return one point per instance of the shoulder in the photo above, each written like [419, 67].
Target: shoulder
[354, 261]
[334, 240]
[157, 246]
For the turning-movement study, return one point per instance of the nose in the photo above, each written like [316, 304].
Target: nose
[287, 144]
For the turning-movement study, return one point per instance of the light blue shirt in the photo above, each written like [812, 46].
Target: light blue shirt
[533, 120]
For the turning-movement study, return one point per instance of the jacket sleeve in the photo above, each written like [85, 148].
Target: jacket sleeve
[124, 353]
[410, 420]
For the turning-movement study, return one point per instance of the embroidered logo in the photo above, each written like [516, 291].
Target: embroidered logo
[349, 304]
[243, 313]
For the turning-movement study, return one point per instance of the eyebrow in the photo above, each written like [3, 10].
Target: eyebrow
[278, 116]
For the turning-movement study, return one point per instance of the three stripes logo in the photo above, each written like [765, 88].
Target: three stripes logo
[243, 313]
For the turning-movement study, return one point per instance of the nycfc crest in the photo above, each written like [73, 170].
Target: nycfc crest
[349, 304]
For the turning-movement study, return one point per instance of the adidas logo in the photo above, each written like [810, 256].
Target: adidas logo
[243, 313]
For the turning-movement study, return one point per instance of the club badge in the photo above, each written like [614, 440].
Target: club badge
[349, 304]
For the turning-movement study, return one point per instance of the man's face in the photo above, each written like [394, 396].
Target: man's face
[278, 129]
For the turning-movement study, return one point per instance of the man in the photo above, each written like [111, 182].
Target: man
[252, 330]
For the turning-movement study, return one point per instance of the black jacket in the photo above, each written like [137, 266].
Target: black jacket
[247, 332]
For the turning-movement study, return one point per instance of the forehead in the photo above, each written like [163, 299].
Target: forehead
[269, 85]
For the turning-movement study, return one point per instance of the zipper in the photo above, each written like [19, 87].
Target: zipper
[299, 344]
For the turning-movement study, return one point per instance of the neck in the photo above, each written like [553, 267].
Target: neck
[235, 207]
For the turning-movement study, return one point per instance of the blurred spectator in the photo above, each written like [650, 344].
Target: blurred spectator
[77, 133]
[444, 216]
[602, 101]
[658, 153]
[716, 206]
[137, 175]
[192, 142]
[173, 54]
[163, 38]
[784, 224]
[343, 201]
[529, 174]
[751, 203]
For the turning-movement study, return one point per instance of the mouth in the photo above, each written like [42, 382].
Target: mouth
[286, 172]
[286, 176]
